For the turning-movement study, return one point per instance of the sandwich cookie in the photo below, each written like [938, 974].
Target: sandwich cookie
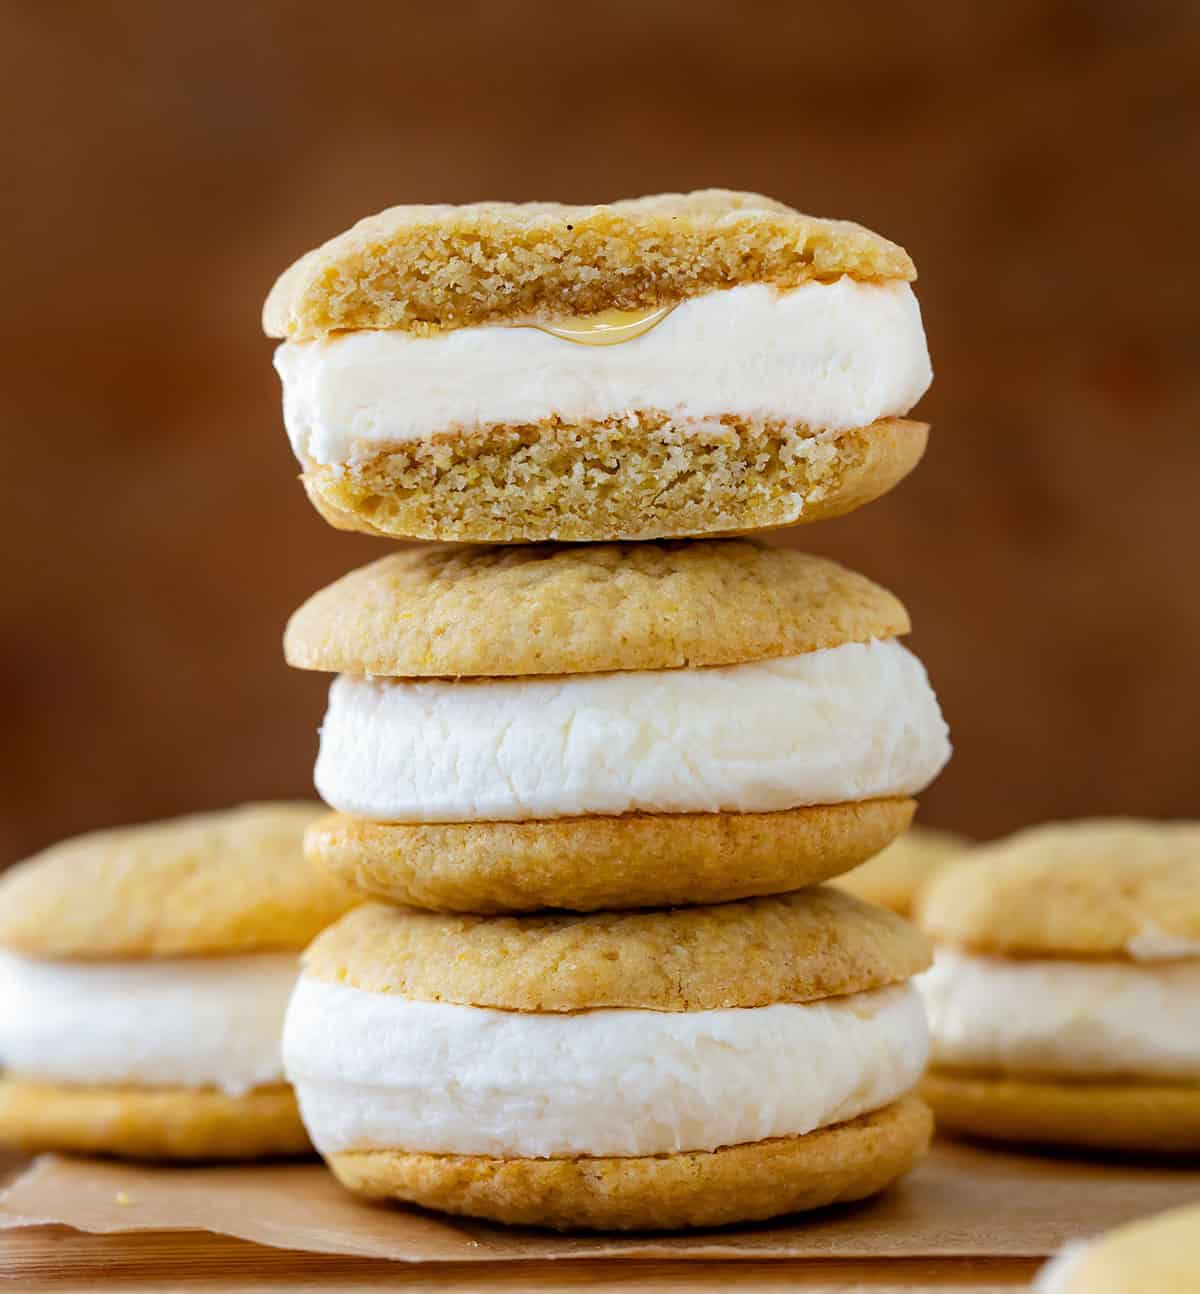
[895, 877]
[619, 1071]
[144, 974]
[611, 726]
[1156, 1255]
[670, 366]
[1063, 998]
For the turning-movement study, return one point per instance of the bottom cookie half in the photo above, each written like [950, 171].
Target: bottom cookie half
[745, 1183]
[585, 864]
[638, 477]
[1157, 1118]
[150, 1123]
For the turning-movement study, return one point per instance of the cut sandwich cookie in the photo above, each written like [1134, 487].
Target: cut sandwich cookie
[669, 366]
[896, 877]
[611, 726]
[641, 1070]
[1063, 998]
[144, 974]
[1154, 1255]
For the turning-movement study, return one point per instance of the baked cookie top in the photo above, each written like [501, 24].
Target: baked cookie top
[235, 881]
[427, 268]
[487, 611]
[1158, 1253]
[815, 943]
[895, 877]
[1115, 888]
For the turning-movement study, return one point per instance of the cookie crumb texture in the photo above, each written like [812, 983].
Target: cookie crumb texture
[746, 1183]
[427, 268]
[1153, 1118]
[170, 1123]
[643, 477]
[586, 864]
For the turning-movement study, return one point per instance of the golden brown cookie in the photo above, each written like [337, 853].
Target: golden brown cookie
[1097, 888]
[424, 268]
[551, 480]
[762, 1179]
[235, 881]
[430, 611]
[1155, 1255]
[800, 947]
[895, 877]
[150, 1123]
[1159, 1118]
[583, 864]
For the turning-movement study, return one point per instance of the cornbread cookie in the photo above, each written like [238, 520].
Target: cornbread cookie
[1159, 1254]
[848, 1161]
[582, 864]
[555, 480]
[175, 1123]
[1155, 1118]
[144, 976]
[895, 877]
[682, 365]
[227, 882]
[487, 611]
[1103, 888]
[426, 267]
[801, 947]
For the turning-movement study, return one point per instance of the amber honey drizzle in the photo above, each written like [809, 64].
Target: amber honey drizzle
[608, 328]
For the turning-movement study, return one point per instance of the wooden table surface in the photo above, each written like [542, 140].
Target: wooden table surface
[58, 1259]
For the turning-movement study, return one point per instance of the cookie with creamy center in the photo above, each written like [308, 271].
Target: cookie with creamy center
[1062, 1001]
[144, 974]
[687, 1068]
[685, 364]
[618, 725]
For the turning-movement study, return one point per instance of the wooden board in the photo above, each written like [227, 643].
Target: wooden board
[57, 1259]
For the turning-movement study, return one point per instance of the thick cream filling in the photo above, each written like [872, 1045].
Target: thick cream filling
[849, 723]
[828, 355]
[1072, 1019]
[378, 1071]
[190, 1022]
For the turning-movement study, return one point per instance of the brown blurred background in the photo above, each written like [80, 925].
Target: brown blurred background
[163, 162]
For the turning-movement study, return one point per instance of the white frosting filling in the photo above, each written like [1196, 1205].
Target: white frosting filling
[849, 723]
[378, 1071]
[829, 355]
[1086, 1019]
[190, 1022]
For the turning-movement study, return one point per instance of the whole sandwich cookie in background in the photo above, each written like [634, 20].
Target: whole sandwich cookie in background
[1063, 998]
[615, 1071]
[611, 726]
[896, 877]
[670, 366]
[144, 974]
[1156, 1255]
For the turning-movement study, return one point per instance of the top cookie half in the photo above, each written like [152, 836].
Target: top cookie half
[233, 881]
[664, 367]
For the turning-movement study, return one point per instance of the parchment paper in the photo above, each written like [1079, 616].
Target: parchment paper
[963, 1201]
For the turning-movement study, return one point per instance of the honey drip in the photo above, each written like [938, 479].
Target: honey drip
[608, 328]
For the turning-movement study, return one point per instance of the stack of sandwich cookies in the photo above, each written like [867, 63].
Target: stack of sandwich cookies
[679, 365]
[1063, 999]
[144, 975]
[611, 726]
[618, 1070]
